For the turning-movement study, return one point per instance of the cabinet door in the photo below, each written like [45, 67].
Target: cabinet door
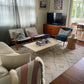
[55, 30]
[45, 28]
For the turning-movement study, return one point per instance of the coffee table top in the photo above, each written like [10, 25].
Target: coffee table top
[32, 46]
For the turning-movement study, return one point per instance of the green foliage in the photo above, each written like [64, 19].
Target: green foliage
[77, 9]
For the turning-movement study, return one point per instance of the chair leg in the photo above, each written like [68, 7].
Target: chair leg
[16, 45]
[32, 39]
[63, 43]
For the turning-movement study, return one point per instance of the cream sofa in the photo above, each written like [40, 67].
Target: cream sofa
[5, 77]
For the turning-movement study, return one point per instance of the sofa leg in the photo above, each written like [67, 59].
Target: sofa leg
[63, 43]
[16, 45]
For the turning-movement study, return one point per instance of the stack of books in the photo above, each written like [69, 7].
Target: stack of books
[42, 42]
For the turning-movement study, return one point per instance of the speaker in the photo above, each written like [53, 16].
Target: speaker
[50, 18]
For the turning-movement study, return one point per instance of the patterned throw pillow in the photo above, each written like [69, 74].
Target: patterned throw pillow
[32, 33]
[64, 32]
[18, 35]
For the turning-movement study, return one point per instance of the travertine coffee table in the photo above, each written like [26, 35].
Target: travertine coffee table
[35, 48]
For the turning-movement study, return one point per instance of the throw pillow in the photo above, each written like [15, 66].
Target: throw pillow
[3, 71]
[64, 32]
[18, 35]
[12, 62]
[32, 33]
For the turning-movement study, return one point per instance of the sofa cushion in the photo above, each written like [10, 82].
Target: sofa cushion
[3, 71]
[12, 62]
[61, 37]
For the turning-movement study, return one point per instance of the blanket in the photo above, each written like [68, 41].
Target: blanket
[31, 73]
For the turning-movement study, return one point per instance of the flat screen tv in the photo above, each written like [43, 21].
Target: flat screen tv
[54, 18]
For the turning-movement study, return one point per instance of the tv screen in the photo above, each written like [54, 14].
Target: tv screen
[50, 18]
[57, 17]
[54, 18]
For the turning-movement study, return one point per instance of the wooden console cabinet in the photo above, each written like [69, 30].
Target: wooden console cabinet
[53, 30]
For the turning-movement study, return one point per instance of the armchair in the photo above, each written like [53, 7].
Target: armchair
[29, 72]
[17, 35]
[63, 34]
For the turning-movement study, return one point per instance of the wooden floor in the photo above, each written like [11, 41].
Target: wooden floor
[74, 75]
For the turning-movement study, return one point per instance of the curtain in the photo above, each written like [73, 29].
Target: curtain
[26, 10]
[7, 12]
[19, 13]
[69, 13]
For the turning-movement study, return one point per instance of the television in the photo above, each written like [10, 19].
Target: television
[55, 18]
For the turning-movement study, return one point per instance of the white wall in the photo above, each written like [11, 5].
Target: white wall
[42, 13]
[64, 9]
[41, 17]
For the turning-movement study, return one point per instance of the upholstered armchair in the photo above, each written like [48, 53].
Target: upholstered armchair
[63, 34]
[18, 68]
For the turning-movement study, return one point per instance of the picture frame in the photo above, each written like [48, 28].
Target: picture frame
[58, 4]
[43, 4]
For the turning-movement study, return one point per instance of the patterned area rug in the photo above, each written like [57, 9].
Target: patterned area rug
[56, 60]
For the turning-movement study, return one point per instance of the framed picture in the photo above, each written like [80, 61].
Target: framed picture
[43, 4]
[58, 4]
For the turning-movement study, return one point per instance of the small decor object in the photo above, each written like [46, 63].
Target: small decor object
[42, 42]
[42, 4]
[73, 35]
[58, 4]
[71, 43]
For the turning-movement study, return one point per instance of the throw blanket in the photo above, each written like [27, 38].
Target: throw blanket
[31, 73]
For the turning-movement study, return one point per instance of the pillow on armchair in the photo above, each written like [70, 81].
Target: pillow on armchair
[64, 32]
[17, 34]
[12, 62]
[32, 33]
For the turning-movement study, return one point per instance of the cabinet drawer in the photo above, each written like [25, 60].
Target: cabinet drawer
[53, 30]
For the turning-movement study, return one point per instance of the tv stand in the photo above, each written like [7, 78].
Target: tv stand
[53, 30]
[56, 24]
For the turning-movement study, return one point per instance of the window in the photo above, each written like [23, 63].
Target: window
[26, 10]
[19, 13]
[6, 13]
[78, 9]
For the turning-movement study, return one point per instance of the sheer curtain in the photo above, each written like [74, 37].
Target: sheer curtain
[26, 9]
[7, 12]
[69, 13]
[17, 13]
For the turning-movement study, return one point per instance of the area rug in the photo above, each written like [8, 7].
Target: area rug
[57, 60]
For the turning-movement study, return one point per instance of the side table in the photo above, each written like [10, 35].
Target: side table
[71, 43]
